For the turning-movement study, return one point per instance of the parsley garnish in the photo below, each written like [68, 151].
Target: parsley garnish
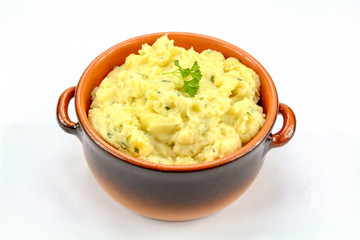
[190, 86]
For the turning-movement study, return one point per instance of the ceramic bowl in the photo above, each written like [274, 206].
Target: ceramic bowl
[173, 192]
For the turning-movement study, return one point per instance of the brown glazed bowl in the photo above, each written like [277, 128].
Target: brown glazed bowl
[173, 192]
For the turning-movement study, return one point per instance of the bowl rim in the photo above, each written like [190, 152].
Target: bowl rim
[261, 136]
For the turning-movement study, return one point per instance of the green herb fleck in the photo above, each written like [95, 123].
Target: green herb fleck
[158, 92]
[109, 134]
[190, 86]
[165, 80]
[204, 129]
[136, 150]
[250, 111]
[239, 79]
[143, 76]
[107, 115]
[167, 108]
[124, 145]
[212, 78]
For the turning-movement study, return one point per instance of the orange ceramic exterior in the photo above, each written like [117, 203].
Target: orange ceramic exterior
[201, 189]
[286, 132]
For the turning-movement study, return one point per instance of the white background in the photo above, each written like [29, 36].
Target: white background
[307, 189]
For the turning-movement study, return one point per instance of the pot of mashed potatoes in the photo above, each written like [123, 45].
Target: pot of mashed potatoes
[147, 114]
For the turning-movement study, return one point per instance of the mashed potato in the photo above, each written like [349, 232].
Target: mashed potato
[146, 114]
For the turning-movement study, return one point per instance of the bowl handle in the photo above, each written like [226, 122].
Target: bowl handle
[62, 112]
[288, 129]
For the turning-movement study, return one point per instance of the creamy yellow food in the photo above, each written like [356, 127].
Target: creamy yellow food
[146, 114]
